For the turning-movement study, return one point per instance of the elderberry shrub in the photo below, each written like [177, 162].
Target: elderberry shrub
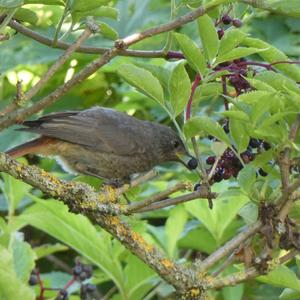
[81, 271]
[229, 165]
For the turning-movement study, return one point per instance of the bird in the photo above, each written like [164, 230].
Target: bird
[104, 143]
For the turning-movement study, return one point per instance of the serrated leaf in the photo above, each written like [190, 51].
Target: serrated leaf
[247, 178]
[271, 55]
[11, 287]
[24, 258]
[179, 88]
[74, 230]
[237, 53]
[231, 39]
[199, 125]
[209, 37]
[107, 31]
[192, 53]
[237, 115]
[143, 81]
[239, 134]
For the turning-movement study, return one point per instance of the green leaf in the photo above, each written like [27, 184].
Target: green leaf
[11, 286]
[260, 85]
[192, 53]
[26, 15]
[143, 81]
[239, 134]
[282, 276]
[199, 125]
[24, 258]
[237, 53]
[190, 240]
[236, 115]
[76, 231]
[174, 227]
[247, 178]
[249, 213]
[107, 31]
[289, 294]
[14, 191]
[84, 5]
[209, 37]
[47, 249]
[179, 88]
[271, 55]
[46, 2]
[11, 3]
[225, 209]
[103, 11]
[289, 8]
[139, 277]
[278, 81]
[231, 39]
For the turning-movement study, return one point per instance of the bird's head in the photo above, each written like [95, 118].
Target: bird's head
[171, 148]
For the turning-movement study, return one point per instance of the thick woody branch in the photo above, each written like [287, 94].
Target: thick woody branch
[98, 207]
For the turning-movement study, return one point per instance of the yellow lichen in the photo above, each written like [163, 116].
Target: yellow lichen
[167, 263]
[141, 241]
[195, 292]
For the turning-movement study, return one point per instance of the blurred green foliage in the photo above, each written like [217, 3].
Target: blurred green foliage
[31, 228]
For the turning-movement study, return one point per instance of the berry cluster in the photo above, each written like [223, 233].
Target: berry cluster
[81, 272]
[229, 165]
[227, 20]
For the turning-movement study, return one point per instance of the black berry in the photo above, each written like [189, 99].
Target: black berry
[192, 164]
[33, 280]
[226, 19]
[197, 187]
[237, 23]
[262, 172]
[211, 160]
[220, 33]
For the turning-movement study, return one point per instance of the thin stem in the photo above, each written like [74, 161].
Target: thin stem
[157, 197]
[180, 199]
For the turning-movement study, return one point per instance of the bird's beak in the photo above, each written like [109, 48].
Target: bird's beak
[188, 160]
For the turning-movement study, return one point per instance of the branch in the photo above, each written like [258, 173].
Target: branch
[157, 197]
[98, 207]
[82, 49]
[96, 64]
[250, 273]
[199, 194]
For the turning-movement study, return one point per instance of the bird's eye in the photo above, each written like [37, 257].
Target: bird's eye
[176, 144]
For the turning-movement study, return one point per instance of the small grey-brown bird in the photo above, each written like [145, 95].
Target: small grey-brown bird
[104, 143]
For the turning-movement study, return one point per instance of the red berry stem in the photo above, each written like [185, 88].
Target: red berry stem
[193, 89]
[224, 87]
[41, 284]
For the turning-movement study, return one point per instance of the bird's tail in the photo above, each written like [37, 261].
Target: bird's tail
[32, 146]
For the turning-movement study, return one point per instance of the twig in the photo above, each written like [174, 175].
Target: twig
[250, 273]
[89, 49]
[137, 206]
[17, 102]
[202, 195]
[96, 64]
[227, 248]
[60, 62]
[136, 181]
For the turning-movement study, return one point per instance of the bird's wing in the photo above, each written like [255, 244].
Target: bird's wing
[100, 129]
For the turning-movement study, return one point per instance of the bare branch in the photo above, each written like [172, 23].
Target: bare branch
[201, 195]
[250, 273]
[137, 206]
